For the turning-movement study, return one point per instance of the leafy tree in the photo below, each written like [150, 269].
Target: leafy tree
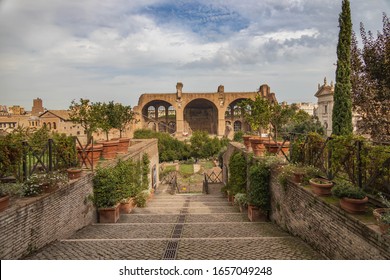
[169, 148]
[342, 109]
[85, 114]
[301, 122]
[370, 80]
[257, 112]
[280, 116]
[123, 115]
[202, 146]
[238, 136]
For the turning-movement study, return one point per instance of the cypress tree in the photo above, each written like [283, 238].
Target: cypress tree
[342, 108]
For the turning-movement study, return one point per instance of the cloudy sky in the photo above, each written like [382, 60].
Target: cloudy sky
[118, 49]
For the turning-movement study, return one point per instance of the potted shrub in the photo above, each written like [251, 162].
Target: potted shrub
[7, 191]
[142, 197]
[106, 195]
[321, 186]
[241, 200]
[258, 191]
[74, 173]
[4, 198]
[382, 215]
[123, 115]
[352, 199]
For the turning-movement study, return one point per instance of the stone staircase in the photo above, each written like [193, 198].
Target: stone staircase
[182, 227]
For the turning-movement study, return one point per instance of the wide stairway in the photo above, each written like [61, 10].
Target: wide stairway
[182, 227]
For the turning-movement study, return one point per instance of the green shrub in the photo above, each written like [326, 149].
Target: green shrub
[106, 192]
[141, 198]
[346, 189]
[241, 199]
[259, 180]
[237, 173]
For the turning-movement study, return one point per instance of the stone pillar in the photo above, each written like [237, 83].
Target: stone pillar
[221, 121]
[179, 120]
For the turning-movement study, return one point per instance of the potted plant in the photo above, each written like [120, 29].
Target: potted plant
[74, 173]
[4, 198]
[258, 191]
[321, 186]
[106, 195]
[8, 190]
[352, 199]
[257, 113]
[123, 115]
[382, 215]
[142, 197]
[241, 200]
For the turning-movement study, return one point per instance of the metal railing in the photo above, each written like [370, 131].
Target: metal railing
[364, 163]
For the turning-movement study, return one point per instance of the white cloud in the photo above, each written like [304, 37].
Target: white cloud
[104, 50]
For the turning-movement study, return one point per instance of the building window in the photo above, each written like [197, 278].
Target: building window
[54, 125]
[326, 109]
[237, 126]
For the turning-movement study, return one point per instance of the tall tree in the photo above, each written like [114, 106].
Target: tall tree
[370, 79]
[342, 108]
[84, 114]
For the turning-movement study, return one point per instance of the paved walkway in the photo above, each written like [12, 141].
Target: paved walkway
[183, 227]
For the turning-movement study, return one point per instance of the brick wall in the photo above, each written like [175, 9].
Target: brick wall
[32, 222]
[325, 227]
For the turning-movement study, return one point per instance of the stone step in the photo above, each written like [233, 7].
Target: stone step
[189, 218]
[165, 230]
[191, 204]
[264, 248]
[189, 210]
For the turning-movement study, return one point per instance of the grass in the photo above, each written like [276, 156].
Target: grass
[169, 168]
[186, 169]
[207, 164]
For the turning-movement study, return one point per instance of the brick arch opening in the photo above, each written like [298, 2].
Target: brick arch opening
[234, 115]
[160, 113]
[201, 114]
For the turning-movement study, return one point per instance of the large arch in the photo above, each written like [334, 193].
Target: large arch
[157, 114]
[201, 114]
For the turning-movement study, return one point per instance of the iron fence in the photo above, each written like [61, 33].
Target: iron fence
[364, 163]
[21, 160]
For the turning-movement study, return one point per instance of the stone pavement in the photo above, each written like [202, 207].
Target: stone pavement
[183, 227]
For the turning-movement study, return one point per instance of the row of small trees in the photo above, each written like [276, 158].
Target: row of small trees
[263, 115]
[105, 116]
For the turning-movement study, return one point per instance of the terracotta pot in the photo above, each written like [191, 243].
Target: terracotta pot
[321, 187]
[271, 147]
[247, 142]
[74, 173]
[285, 147]
[4, 202]
[354, 206]
[378, 212]
[298, 176]
[257, 146]
[123, 146]
[255, 214]
[91, 154]
[110, 149]
[109, 215]
[125, 207]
